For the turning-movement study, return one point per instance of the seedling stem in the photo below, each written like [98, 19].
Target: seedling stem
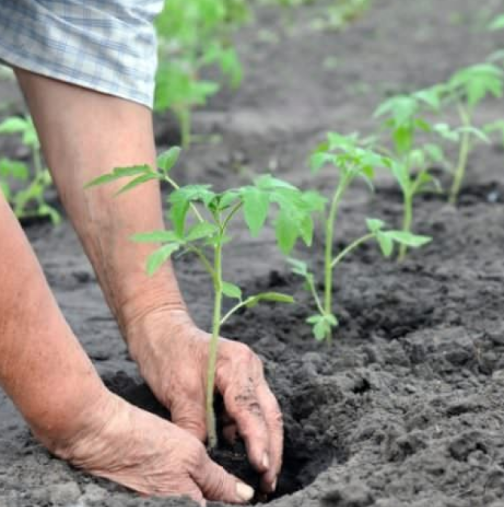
[465, 148]
[407, 222]
[330, 223]
[213, 348]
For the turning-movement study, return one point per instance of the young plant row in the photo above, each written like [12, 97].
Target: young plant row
[199, 219]
[198, 36]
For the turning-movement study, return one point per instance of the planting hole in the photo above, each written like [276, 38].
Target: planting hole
[301, 466]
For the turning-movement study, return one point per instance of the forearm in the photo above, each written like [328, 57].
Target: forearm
[42, 366]
[85, 134]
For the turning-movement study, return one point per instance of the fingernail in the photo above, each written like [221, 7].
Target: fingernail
[265, 461]
[244, 492]
[274, 485]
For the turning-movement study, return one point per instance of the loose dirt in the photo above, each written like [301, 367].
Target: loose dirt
[405, 410]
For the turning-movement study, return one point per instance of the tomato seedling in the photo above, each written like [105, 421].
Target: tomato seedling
[353, 161]
[27, 193]
[194, 36]
[466, 89]
[403, 118]
[213, 212]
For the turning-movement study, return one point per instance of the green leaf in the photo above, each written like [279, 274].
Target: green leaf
[167, 160]
[178, 214]
[322, 325]
[478, 133]
[255, 208]
[403, 139]
[320, 159]
[374, 224]
[425, 182]
[298, 267]
[314, 200]
[431, 96]
[401, 173]
[14, 169]
[136, 182]
[434, 152]
[286, 231]
[332, 320]
[231, 290]
[181, 199]
[156, 237]
[268, 182]
[497, 23]
[201, 230]
[4, 188]
[190, 193]
[445, 131]
[118, 173]
[13, 125]
[47, 210]
[276, 297]
[408, 238]
[385, 243]
[477, 81]
[401, 109]
[160, 256]
[228, 198]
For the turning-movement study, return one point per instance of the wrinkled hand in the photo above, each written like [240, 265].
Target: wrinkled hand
[147, 454]
[172, 354]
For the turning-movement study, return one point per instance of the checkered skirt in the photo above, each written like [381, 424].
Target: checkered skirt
[106, 45]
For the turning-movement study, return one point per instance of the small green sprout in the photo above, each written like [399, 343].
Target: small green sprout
[194, 36]
[414, 178]
[353, 161]
[213, 213]
[497, 23]
[27, 196]
[409, 162]
[467, 88]
[403, 116]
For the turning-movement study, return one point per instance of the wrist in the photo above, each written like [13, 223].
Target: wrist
[72, 412]
[161, 324]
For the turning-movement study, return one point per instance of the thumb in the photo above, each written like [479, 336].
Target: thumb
[189, 416]
[216, 484]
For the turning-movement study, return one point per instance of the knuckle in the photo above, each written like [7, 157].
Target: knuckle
[218, 486]
[195, 455]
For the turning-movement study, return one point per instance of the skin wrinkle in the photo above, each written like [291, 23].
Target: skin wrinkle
[170, 350]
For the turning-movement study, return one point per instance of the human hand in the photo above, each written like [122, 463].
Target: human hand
[172, 354]
[143, 452]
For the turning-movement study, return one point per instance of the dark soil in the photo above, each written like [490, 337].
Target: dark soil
[406, 408]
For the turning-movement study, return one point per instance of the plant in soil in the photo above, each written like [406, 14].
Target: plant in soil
[353, 161]
[466, 89]
[403, 119]
[497, 23]
[209, 233]
[194, 36]
[25, 187]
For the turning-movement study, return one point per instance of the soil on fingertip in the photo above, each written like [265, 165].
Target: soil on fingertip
[405, 409]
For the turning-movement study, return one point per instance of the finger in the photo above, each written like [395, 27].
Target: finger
[243, 406]
[191, 490]
[190, 416]
[229, 428]
[230, 432]
[216, 484]
[274, 422]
